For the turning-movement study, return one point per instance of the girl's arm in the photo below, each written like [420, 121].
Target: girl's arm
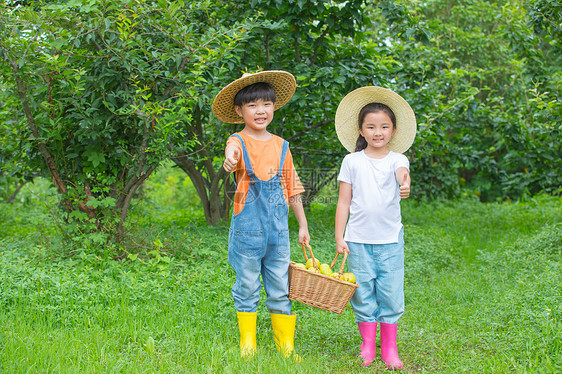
[296, 204]
[342, 214]
[403, 179]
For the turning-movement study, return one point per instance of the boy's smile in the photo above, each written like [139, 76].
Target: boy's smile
[257, 115]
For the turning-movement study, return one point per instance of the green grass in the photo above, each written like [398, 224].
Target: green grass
[483, 293]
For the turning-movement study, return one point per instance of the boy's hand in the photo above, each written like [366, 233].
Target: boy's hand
[232, 155]
[304, 236]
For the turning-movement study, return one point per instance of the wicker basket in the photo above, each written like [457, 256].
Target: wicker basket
[318, 290]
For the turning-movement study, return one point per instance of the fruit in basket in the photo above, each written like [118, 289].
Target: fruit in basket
[312, 269]
[309, 263]
[335, 274]
[325, 269]
[299, 265]
[348, 277]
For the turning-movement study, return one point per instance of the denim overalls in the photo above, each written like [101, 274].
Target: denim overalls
[258, 242]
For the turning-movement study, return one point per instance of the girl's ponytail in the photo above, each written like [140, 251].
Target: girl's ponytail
[361, 143]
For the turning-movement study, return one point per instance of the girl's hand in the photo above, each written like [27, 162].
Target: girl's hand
[232, 155]
[404, 191]
[403, 178]
[341, 247]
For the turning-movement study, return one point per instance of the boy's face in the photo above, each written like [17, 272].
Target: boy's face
[257, 114]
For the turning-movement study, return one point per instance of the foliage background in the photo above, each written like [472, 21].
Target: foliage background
[483, 227]
[122, 91]
[483, 77]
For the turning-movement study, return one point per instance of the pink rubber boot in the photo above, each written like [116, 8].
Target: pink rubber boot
[389, 351]
[368, 331]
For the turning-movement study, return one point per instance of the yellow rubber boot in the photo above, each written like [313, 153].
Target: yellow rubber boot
[247, 326]
[283, 326]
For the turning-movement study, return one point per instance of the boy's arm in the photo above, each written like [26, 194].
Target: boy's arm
[342, 214]
[403, 179]
[296, 204]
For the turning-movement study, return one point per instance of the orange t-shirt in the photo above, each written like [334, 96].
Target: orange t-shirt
[265, 156]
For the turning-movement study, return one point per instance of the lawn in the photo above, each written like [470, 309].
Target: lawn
[483, 292]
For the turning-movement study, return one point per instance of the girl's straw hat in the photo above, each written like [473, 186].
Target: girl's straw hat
[283, 83]
[347, 117]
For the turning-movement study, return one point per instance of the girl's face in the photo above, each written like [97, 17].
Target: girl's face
[377, 129]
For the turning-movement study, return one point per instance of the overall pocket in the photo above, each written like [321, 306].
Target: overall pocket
[283, 246]
[281, 211]
[249, 242]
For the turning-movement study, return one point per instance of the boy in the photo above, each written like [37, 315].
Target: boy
[266, 181]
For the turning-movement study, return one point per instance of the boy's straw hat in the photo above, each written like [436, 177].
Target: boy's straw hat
[283, 83]
[347, 117]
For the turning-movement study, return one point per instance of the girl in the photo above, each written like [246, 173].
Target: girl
[377, 125]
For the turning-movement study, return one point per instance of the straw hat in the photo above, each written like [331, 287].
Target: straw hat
[283, 83]
[347, 117]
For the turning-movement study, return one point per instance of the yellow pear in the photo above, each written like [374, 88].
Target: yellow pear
[325, 269]
[348, 277]
[309, 263]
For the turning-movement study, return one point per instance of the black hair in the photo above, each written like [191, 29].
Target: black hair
[361, 143]
[257, 91]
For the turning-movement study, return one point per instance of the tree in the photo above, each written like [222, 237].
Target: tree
[486, 93]
[104, 88]
[16, 169]
[319, 42]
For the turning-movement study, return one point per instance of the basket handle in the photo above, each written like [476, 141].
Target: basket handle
[304, 252]
[311, 254]
[342, 264]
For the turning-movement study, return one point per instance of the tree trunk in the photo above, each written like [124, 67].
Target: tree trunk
[57, 179]
[213, 191]
[12, 196]
[212, 185]
[22, 91]
[124, 202]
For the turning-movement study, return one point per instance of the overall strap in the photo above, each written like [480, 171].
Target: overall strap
[283, 155]
[247, 161]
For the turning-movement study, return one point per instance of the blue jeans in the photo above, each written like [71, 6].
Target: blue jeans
[379, 272]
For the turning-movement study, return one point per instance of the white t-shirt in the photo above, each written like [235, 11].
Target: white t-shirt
[374, 213]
